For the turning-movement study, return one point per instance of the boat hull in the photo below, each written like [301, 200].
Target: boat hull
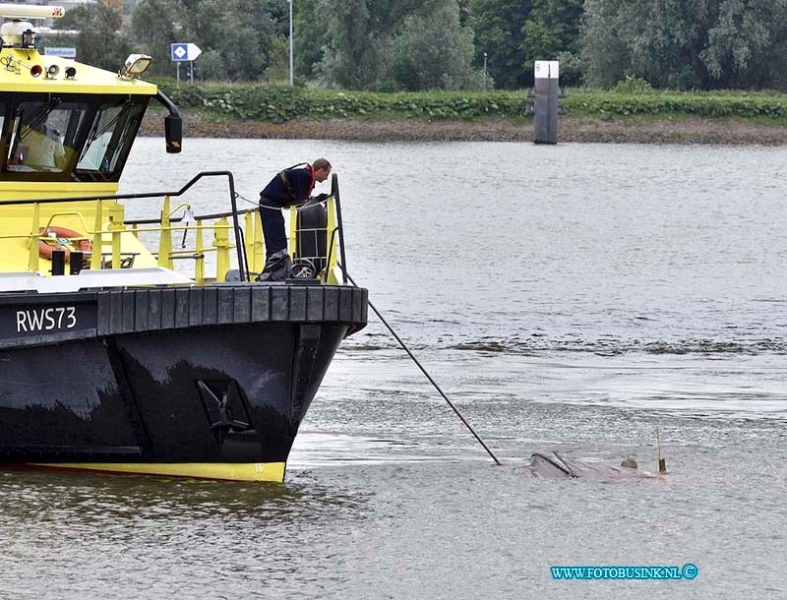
[270, 472]
[215, 400]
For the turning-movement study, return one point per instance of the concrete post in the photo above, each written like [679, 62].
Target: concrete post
[547, 91]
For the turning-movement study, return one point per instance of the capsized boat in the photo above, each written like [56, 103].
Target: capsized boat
[122, 348]
[555, 466]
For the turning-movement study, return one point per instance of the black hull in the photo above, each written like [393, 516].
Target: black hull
[217, 394]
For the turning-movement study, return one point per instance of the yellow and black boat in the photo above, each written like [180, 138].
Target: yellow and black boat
[121, 351]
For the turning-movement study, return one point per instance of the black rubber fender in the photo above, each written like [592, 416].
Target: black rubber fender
[312, 235]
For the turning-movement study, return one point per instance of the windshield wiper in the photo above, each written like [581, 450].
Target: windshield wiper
[121, 113]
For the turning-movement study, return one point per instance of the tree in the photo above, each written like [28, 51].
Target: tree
[683, 44]
[435, 52]
[605, 50]
[279, 64]
[551, 31]
[665, 50]
[359, 34]
[228, 27]
[99, 42]
[211, 66]
[499, 32]
[351, 55]
[739, 42]
[155, 25]
[309, 38]
[238, 34]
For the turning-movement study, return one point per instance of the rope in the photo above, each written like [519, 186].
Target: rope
[428, 376]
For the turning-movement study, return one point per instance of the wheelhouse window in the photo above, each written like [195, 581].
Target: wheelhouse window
[109, 140]
[74, 137]
[43, 136]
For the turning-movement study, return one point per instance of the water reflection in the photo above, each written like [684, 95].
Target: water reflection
[67, 535]
[60, 497]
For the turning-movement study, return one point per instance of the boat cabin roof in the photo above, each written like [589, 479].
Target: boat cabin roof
[26, 70]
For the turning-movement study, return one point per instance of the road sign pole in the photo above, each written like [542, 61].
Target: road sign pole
[291, 79]
[191, 71]
[177, 64]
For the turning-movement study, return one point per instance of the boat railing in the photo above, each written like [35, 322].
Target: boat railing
[220, 224]
[237, 232]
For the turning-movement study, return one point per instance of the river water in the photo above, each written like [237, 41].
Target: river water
[578, 298]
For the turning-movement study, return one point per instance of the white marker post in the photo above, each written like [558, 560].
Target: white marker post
[545, 105]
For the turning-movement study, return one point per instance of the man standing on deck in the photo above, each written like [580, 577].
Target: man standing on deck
[290, 187]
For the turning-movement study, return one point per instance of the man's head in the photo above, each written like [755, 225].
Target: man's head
[322, 168]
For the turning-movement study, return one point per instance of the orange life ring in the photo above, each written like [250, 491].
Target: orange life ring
[52, 239]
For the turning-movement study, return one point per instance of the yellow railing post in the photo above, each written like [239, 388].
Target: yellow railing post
[199, 264]
[34, 237]
[332, 240]
[221, 241]
[252, 242]
[116, 227]
[165, 239]
[98, 224]
[293, 241]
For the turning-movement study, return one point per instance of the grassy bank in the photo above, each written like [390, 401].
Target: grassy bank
[278, 104]
[590, 115]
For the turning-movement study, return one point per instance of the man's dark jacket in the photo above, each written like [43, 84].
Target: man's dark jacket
[297, 188]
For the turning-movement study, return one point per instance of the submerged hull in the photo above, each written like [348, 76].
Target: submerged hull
[203, 382]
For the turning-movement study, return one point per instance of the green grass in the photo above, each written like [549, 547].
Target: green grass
[276, 103]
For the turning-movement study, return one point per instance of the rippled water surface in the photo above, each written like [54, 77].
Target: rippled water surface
[575, 298]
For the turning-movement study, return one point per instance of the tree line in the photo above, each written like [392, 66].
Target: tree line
[413, 45]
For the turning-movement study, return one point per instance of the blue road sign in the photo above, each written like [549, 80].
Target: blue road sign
[180, 52]
[185, 52]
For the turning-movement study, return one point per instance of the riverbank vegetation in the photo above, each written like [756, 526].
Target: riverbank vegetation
[279, 104]
[466, 45]
[630, 114]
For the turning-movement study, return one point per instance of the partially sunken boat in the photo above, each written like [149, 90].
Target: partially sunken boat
[121, 349]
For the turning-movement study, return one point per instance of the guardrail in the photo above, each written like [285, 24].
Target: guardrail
[229, 234]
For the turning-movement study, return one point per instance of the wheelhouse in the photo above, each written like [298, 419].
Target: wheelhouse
[67, 137]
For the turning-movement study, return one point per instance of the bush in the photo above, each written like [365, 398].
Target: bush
[632, 85]
[278, 103]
